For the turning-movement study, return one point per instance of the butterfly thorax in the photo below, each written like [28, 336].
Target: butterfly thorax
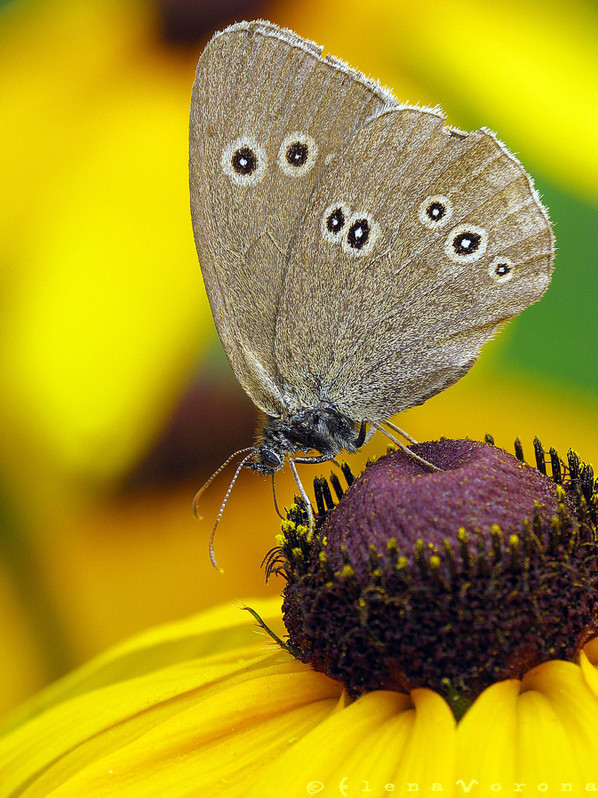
[323, 429]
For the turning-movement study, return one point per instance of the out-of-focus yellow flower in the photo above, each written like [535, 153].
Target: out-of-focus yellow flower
[525, 68]
[102, 308]
[203, 707]
[102, 315]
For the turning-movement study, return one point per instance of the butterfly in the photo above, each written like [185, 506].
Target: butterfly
[357, 252]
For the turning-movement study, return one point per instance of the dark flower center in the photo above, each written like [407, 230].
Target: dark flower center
[450, 580]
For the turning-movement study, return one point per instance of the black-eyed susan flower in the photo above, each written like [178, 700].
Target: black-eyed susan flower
[205, 707]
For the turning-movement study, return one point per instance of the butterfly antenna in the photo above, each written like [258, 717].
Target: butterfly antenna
[223, 505]
[198, 495]
[404, 448]
[278, 513]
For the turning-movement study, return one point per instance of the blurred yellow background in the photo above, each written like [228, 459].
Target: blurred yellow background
[117, 402]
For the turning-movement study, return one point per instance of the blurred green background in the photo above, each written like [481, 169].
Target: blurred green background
[117, 401]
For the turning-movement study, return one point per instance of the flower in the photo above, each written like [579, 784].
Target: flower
[204, 707]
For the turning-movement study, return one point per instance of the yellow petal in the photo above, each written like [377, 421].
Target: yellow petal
[131, 724]
[213, 745]
[591, 651]
[540, 731]
[160, 715]
[380, 743]
[486, 738]
[213, 632]
[589, 669]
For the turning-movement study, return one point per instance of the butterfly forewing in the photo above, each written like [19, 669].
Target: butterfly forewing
[268, 114]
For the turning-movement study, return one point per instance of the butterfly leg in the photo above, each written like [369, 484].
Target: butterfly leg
[361, 436]
[278, 513]
[322, 458]
[400, 431]
[310, 514]
[404, 448]
[282, 643]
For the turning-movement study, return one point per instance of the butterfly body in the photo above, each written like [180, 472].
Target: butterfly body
[323, 429]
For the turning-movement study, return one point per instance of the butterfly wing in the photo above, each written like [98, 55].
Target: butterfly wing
[416, 246]
[267, 112]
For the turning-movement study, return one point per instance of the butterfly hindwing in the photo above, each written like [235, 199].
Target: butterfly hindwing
[416, 246]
